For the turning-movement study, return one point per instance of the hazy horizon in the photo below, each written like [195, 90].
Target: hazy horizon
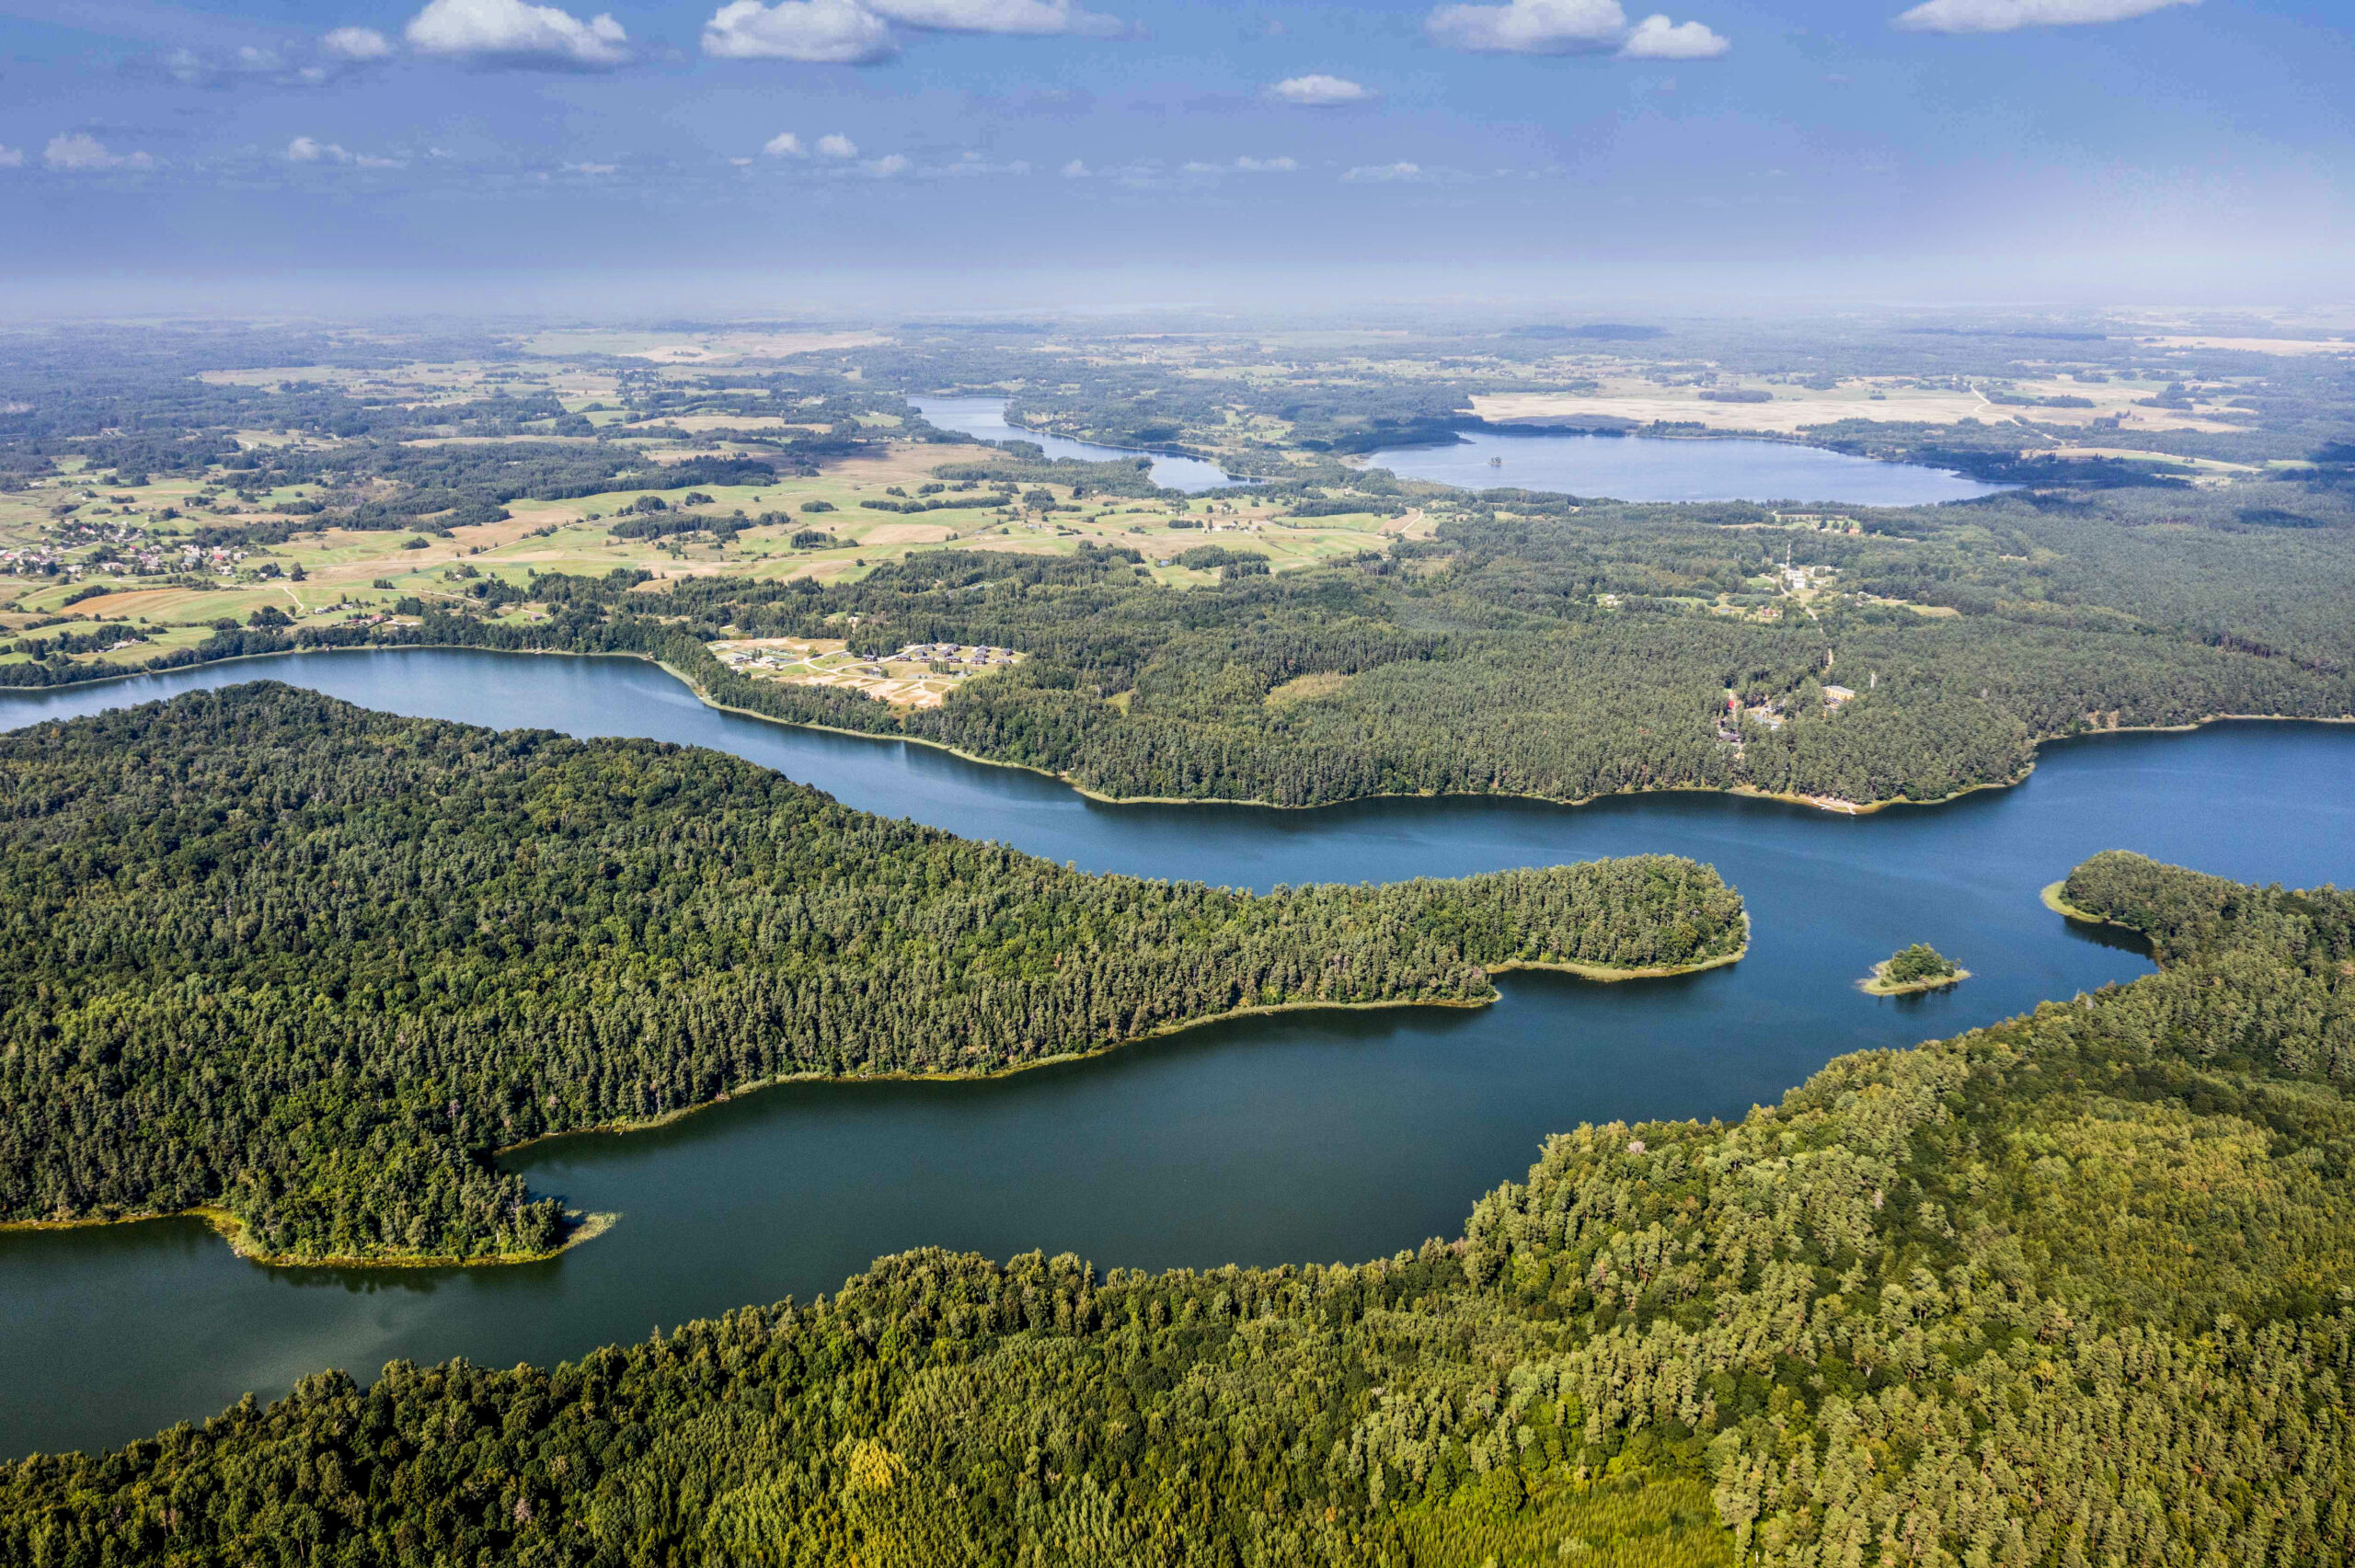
[850, 156]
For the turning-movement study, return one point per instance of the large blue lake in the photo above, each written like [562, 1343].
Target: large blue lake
[1303, 1137]
[1649, 468]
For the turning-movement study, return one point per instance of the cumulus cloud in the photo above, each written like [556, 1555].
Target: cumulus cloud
[784, 145]
[1075, 170]
[837, 145]
[1569, 27]
[2009, 16]
[1318, 91]
[1657, 38]
[310, 150]
[1530, 26]
[818, 32]
[518, 33]
[1266, 165]
[82, 153]
[1379, 173]
[12, 157]
[357, 44]
[888, 166]
[1037, 18]
[859, 33]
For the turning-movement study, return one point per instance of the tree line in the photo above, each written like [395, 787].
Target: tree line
[2070, 1290]
[311, 965]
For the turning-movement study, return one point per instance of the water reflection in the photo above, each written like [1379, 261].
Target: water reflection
[1291, 1137]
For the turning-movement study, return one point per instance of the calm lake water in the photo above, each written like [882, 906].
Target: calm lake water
[1649, 468]
[1303, 1137]
[984, 418]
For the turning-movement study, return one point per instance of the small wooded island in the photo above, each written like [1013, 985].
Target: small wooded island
[1916, 969]
[304, 967]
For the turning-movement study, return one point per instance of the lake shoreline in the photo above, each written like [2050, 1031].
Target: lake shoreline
[232, 1230]
[1879, 984]
[589, 1227]
[1829, 804]
[1597, 973]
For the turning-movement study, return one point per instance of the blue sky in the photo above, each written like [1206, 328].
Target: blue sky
[1027, 152]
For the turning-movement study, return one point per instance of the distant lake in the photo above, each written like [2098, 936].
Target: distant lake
[1652, 468]
[984, 418]
[1292, 1137]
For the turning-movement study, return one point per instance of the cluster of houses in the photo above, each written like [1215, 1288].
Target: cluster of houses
[134, 552]
[1769, 713]
[954, 654]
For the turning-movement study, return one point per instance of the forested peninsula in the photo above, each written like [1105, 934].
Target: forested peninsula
[2070, 1290]
[269, 954]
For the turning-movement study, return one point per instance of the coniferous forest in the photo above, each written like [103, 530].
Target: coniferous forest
[307, 965]
[1536, 646]
[2069, 1289]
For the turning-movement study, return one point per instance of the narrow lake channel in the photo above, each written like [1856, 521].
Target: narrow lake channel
[1297, 1138]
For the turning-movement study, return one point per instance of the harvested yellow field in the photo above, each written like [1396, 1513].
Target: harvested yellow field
[2289, 346]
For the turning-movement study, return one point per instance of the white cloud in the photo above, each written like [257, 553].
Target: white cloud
[1530, 26]
[1075, 170]
[1241, 166]
[888, 166]
[1319, 91]
[82, 153]
[2008, 16]
[837, 145]
[12, 157]
[591, 168]
[820, 32]
[1032, 16]
[310, 150]
[784, 145]
[1384, 172]
[1657, 38]
[1573, 27]
[357, 43]
[517, 32]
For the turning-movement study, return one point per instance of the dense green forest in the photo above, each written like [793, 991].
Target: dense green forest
[310, 963]
[2071, 1289]
[1543, 647]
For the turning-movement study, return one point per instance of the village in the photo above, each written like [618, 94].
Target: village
[115, 548]
[920, 675]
